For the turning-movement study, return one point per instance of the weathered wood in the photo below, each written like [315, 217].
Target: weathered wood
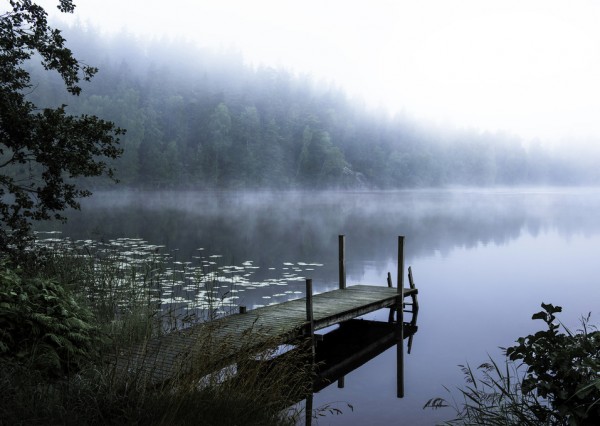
[415, 300]
[308, 410]
[400, 280]
[310, 315]
[400, 320]
[163, 357]
[309, 301]
[415, 306]
[342, 260]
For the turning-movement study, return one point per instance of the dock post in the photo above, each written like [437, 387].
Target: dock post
[311, 330]
[400, 321]
[400, 264]
[309, 315]
[342, 256]
[392, 308]
[308, 410]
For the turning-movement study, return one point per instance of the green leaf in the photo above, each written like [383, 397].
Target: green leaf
[551, 309]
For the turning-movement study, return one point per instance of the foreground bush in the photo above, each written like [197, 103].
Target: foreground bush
[42, 326]
[560, 384]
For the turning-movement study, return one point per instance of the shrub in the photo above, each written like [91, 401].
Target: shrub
[563, 368]
[42, 326]
[560, 384]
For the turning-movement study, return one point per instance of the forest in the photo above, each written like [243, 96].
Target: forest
[198, 118]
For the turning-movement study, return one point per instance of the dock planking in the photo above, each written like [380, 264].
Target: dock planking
[207, 347]
[330, 307]
[163, 357]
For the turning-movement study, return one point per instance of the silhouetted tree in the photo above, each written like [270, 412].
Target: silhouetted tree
[41, 151]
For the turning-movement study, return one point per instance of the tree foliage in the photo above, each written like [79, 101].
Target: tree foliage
[197, 118]
[43, 150]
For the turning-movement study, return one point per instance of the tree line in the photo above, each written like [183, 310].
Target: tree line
[197, 118]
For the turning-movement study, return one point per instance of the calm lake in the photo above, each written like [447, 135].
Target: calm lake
[483, 261]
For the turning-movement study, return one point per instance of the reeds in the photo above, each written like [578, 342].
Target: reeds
[134, 294]
[492, 396]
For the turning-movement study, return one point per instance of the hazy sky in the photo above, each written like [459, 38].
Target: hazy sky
[526, 67]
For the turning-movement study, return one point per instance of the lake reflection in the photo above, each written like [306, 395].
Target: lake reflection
[483, 261]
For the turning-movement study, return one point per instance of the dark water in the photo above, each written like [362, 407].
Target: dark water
[483, 261]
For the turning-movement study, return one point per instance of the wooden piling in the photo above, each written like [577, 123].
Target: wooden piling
[400, 321]
[400, 264]
[342, 260]
[310, 315]
[243, 309]
[311, 331]
[308, 410]
[392, 308]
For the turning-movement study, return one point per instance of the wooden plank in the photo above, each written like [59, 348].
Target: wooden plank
[161, 357]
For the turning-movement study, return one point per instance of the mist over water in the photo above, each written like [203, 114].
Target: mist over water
[264, 226]
[483, 260]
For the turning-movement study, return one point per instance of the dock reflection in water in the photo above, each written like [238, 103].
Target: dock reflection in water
[344, 349]
[351, 345]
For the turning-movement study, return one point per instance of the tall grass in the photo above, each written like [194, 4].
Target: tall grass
[122, 285]
[493, 395]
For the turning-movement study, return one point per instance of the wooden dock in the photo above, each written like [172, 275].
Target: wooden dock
[286, 322]
[166, 357]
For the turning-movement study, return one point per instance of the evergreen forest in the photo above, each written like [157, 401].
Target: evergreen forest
[198, 119]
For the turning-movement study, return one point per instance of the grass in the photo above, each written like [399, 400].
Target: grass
[133, 294]
[493, 395]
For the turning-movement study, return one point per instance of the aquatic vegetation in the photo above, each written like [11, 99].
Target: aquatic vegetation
[117, 273]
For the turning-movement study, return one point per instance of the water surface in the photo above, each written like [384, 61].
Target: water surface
[483, 260]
